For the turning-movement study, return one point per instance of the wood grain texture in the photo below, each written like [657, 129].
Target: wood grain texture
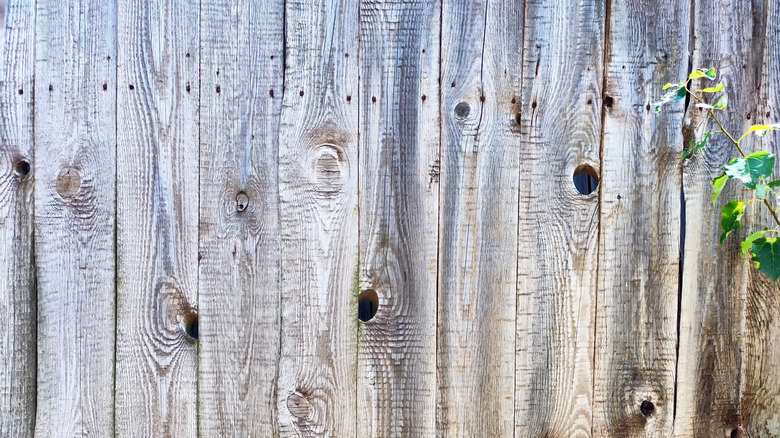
[726, 382]
[242, 62]
[318, 194]
[481, 62]
[75, 156]
[399, 208]
[639, 244]
[157, 217]
[17, 271]
[558, 232]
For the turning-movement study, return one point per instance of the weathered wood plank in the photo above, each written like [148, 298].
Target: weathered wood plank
[75, 160]
[241, 88]
[17, 273]
[318, 195]
[558, 232]
[157, 217]
[399, 208]
[639, 244]
[481, 63]
[725, 371]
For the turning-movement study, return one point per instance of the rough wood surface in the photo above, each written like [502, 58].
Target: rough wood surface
[728, 372]
[481, 59]
[558, 232]
[75, 176]
[157, 217]
[399, 208]
[639, 244]
[17, 272]
[318, 194]
[242, 62]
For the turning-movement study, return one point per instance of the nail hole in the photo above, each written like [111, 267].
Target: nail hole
[349, 98]
[373, 99]
[187, 87]
[21, 91]
[187, 55]
[462, 110]
[423, 98]
[514, 101]
[131, 87]
[368, 303]
[590, 101]
[647, 408]
[608, 101]
[242, 201]
[452, 84]
[219, 89]
[51, 87]
[586, 179]
[189, 324]
[482, 98]
[22, 168]
[301, 93]
[105, 87]
[271, 93]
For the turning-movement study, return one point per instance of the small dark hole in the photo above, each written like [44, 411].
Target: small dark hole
[187, 88]
[301, 93]
[368, 303]
[51, 87]
[346, 55]
[452, 84]
[21, 91]
[272, 57]
[748, 116]
[462, 110]
[349, 98]
[219, 89]
[533, 105]
[517, 118]
[131, 87]
[590, 101]
[423, 98]
[187, 55]
[189, 324]
[608, 101]
[647, 107]
[735, 433]
[271, 93]
[105, 87]
[586, 179]
[647, 408]
[22, 168]
[482, 98]
[373, 99]
[514, 101]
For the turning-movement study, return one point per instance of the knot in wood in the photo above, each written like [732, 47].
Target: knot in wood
[329, 168]
[462, 110]
[68, 182]
[298, 405]
[242, 201]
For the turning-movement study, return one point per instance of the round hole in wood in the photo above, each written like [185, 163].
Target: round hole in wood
[22, 168]
[368, 304]
[242, 201]
[189, 324]
[586, 179]
[462, 110]
[647, 408]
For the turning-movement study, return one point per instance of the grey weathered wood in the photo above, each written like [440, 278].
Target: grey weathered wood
[399, 208]
[157, 217]
[318, 194]
[241, 88]
[727, 375]
[558, 232]
[17, 275]
[639, 253]
[481, 62]
[75, 161]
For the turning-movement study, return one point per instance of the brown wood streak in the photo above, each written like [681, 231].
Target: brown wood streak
[17, 275]
[75, 152]
[558, 237]
[157, 218]
[399, 192]
[478, 217]
[241, 60]
[636, 326]
[318, 195]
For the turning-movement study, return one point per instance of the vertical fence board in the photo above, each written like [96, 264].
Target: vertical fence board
[17, 277]
[399, 194]
[157, 217]
[242, 63]
[558, 232]
[723, 321]
[481, 59]
[639, 253]
[318, 195]
[75, 157]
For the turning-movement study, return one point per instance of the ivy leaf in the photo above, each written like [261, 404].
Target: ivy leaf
[748, 242]
[696, 147]
[721, 103]
[731, 216]
[774, 183]
[766, 256]
[761, 191]
[718, 184]
[761, 130]
[702, 73]
[752, 168]
[714, 89]
[676, 93]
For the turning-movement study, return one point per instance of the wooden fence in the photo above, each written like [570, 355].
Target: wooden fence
[199, 199]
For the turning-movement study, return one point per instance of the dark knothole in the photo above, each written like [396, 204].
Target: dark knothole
[462, 110]
[189, 324]
[368, 303]
[586, 179]
[647, 408]
[22, 168]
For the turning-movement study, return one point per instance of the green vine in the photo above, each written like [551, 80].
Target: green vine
[754, 171]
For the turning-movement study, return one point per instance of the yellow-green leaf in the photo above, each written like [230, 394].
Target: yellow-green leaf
[714, 89]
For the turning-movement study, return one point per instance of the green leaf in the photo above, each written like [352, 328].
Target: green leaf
[748, 242]
[721, 103]
[696, 147]
[761, 130]
[761, 191]
[714, 89]
[669, 85]
[752, 168]
[710, 73]
[774, 183]
[676, 93]
[731, 216]
[766, 256]
[718, 184]
[702, 73]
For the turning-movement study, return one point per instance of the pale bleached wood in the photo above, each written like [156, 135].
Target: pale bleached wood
[481, 62]
[558, 231]
[157, 217]
[17, 276]
[399, 208]
[242, 65]
[318, 195]
[639, 245]
[75, 162]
